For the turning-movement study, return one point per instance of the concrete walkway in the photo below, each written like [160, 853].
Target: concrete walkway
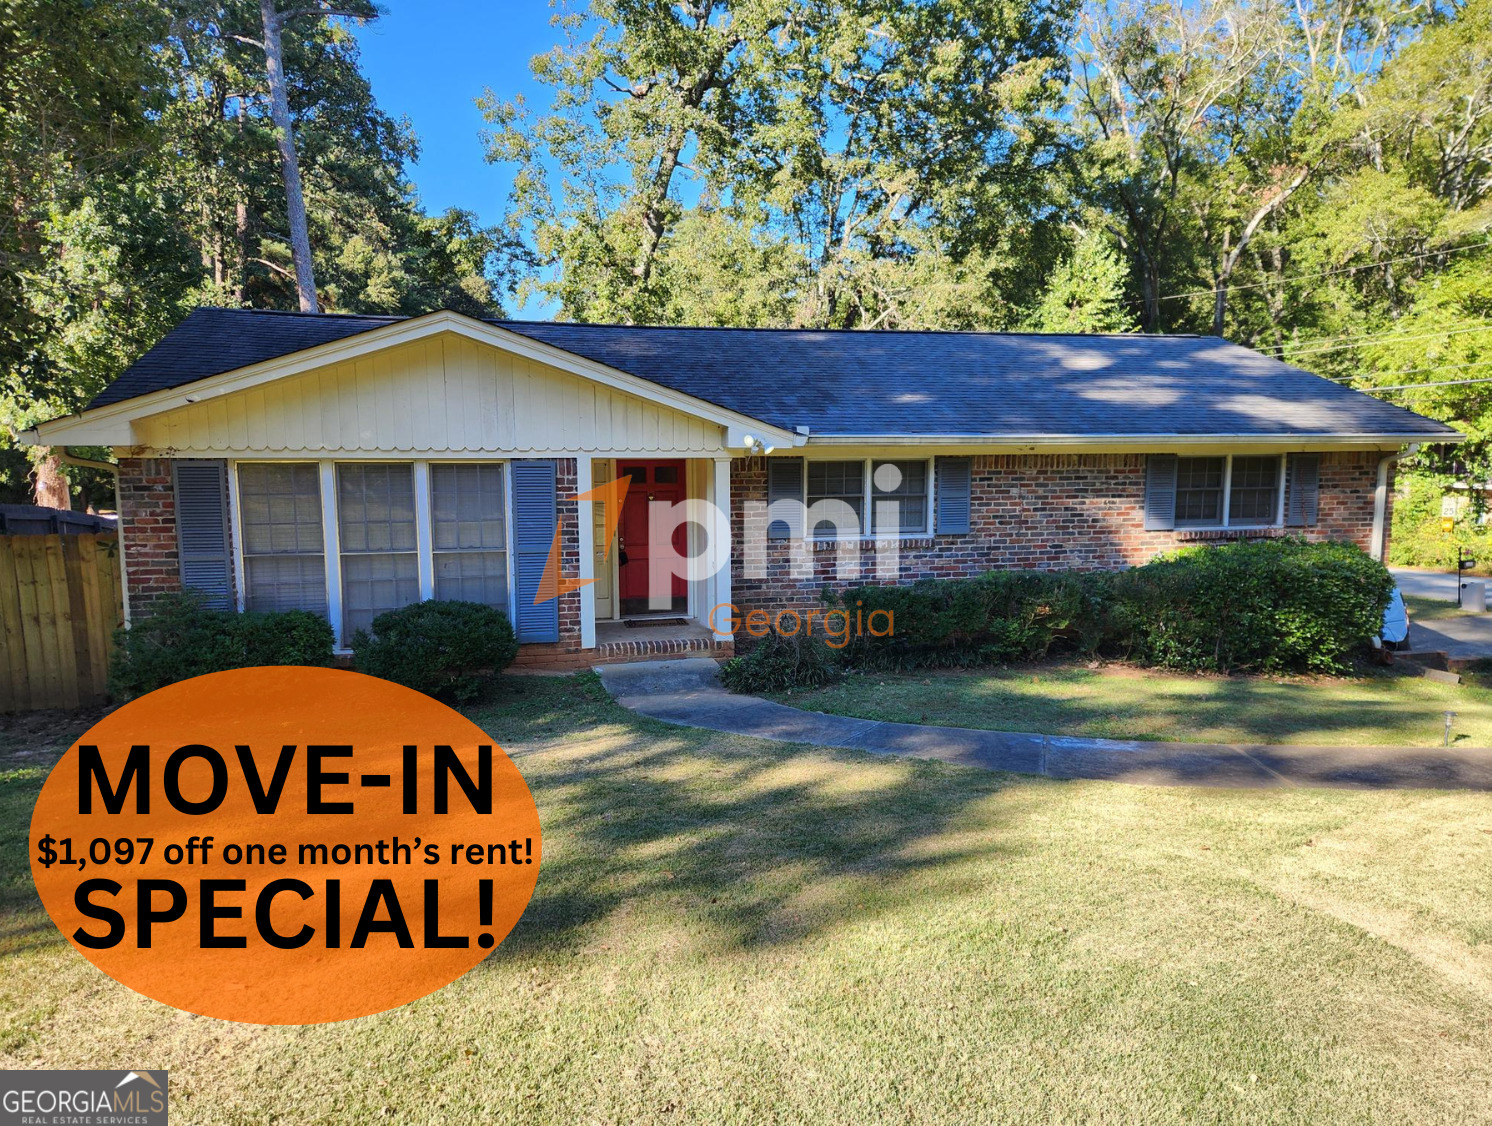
[688, 693]
[1463, 637]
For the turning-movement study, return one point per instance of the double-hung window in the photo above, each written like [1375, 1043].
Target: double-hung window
[284, 559]
[1246, 489]
[469, 531]
[836, 498]
[376, 525]
[885, 497]
[904, 485]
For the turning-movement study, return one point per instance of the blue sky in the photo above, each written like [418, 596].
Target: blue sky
[429, 61]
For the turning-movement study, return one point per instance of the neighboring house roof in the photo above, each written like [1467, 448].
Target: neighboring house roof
[865, 384]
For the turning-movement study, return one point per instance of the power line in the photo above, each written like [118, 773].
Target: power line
[1423, 386]
[1287, 279]
[1388, 340]
[1411, 371]
[1368, 337]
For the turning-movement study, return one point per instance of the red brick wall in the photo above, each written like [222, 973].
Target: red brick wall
[147, 520]
[1046, 511]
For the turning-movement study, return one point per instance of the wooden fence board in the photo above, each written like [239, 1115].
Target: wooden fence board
[60, 602]
[15, 687]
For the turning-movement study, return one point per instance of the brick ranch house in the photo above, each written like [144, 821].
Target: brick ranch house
[352, 464]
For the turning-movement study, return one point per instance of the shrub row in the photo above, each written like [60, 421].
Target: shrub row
[443, 649]
[1270, 606]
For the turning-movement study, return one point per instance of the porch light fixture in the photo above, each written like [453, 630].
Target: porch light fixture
[756, 445]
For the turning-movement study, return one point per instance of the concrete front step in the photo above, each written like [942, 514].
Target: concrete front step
[649, 678]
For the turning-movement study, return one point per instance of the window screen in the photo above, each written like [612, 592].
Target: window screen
[908, 488]
[375, 519]
[837, 481]
[280, 519]
[1199, 491]
[1254, 490]
[468, 515]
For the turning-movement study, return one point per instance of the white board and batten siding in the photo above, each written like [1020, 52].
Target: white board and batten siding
[444, 396]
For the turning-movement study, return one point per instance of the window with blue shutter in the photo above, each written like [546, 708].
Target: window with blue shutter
[785, 484]
[203, 541]
[535, 518]
[1160, 492]
[952, 491]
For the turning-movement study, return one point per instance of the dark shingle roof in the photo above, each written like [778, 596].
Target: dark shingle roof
[1013, 385]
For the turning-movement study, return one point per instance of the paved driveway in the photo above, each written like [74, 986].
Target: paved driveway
[1425, 584]
[1463, 637]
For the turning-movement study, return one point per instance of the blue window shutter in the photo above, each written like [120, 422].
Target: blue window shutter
[1302, 489]
[952, 488]
[203, 546]
[535, 517]
[1160, 492]
[785, 483]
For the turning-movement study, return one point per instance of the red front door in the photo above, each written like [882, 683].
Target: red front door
[663, 482]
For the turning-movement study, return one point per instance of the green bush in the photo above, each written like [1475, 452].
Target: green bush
[443, 649]
[1268, 606]
[777, 663]
[181, 638]
[993, 618]
[1271, 606]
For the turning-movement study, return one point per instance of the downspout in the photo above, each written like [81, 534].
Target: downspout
[1380, 501]
[111, 468]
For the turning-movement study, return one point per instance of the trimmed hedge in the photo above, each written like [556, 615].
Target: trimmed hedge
[1269, 606]
[441, 648]
[182, 638]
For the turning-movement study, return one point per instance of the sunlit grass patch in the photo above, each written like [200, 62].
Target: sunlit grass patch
[730, 930]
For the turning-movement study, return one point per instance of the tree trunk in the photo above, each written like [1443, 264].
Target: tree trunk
[50, 485]
[295, 201]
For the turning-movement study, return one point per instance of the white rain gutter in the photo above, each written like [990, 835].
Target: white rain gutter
[1380, 501]
[112, 469]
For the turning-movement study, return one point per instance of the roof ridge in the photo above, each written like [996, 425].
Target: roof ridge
[303, 313]
[869, 331]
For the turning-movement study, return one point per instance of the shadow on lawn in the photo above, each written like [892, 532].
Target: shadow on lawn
[736, 843]
[1079, 701]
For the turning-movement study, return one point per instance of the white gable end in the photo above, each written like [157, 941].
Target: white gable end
[443, 395]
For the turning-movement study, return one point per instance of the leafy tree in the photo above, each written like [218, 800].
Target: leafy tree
[869, 152]
[1086, 292]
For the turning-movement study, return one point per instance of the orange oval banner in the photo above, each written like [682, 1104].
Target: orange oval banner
[285, 845]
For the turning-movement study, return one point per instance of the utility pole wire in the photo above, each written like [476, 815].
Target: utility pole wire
[1288, 278]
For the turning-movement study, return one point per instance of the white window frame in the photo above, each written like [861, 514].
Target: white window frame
[331, 539]
[235, 524]
[427, 544]
[868, 499]
[1227, 497]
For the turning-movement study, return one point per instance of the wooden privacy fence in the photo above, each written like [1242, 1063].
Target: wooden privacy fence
[60, 603]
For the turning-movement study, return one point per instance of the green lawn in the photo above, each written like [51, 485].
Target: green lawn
[1431, 609]
[1119, 702]
[728, 930]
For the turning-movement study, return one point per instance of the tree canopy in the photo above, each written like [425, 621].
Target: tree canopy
[1309, 178]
